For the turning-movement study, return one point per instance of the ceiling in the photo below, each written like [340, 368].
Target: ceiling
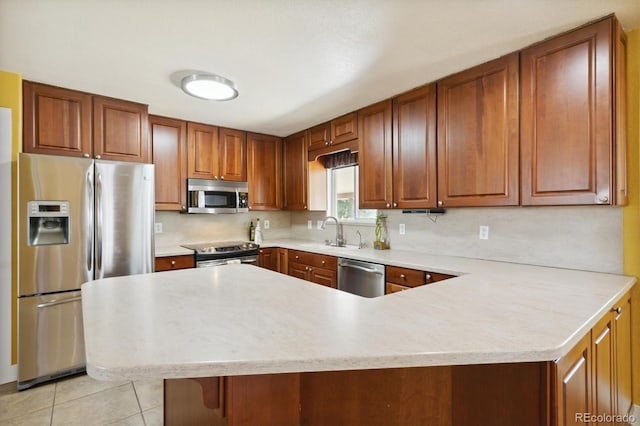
[296, 62]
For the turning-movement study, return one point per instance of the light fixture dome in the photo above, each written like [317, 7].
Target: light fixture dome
[210, 87]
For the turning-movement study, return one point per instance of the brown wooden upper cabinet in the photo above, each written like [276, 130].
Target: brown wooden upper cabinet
[344, 129]
[169, 148]
[319, 136]
[572, 125]
[66, 122]
[295, 172]
[414, 149]
[120, 130]
[216, 153]
[478, 135]
[264, 171]
[374, 156]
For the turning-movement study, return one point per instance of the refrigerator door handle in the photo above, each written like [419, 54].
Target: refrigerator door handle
[58, 302]
[89, 230]
[99, 271]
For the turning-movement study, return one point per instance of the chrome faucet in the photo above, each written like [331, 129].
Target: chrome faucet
[340, 241]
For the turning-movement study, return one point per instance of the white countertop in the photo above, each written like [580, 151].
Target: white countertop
[239, 319]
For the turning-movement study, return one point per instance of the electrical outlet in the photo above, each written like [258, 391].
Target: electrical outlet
[402, 229]
[309, 224]
[318, 224]
[484, 232]
[266, 224]
[158, 227]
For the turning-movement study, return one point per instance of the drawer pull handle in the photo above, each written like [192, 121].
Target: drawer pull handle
[173, 263]
[323, 262]
[297, 257]
[427, 277]
[403, 276]
[617, 310]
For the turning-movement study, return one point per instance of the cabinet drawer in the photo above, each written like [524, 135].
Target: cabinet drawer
[413, 277]
[394, 288]
[174, 262]
[300, 256]
[322, 261]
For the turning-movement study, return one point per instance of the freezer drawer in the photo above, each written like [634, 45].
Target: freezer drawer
[50, 337]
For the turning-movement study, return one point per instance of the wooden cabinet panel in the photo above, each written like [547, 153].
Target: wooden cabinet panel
[573, 383]
[264, 172]
[374, 157]
[283, 261]
[298, 270]
[323, 277]
[232, 154]
[344, 129]
[120, 130]
[169, 147]
[404, 278]
[623, 352]
[394, 288]
[602, 350]
[295, 172]
[566, 121]
[56, 121]
[319, 136]
[620, 114]
[203, 161]
[478, 135]
[317, 268]
[268, 258]
[414, 149]
[174, 262]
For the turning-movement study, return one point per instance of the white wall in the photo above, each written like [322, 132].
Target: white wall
[588, 238]
[8, 372]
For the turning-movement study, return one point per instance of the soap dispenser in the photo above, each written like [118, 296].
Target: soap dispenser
[258, 239]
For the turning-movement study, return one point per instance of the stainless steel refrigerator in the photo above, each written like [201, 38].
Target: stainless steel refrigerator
[79, 219]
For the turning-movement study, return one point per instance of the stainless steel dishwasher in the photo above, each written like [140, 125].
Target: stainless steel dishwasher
[362, 278]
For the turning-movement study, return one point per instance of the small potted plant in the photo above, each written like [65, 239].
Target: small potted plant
[382, 241]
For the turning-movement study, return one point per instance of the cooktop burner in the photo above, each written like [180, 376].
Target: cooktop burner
[224, 249]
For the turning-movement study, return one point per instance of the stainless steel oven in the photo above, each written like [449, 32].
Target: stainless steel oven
[222, 253]
[214, 196]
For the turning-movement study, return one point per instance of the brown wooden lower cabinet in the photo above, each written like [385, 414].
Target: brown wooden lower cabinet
[169, 263]
[317, 268]
[268, 258]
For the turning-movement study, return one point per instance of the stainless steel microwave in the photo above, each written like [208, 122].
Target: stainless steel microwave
[214, 196]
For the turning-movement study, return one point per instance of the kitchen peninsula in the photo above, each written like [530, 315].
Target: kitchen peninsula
[486, 347]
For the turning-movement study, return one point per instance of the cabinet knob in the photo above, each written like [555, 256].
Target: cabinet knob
[173, 263]
[323, 262]
[395, 204]
[603, 199]
[184, 207]
[440, 203]
[330, 142]
[617, 310]
[297, 257]
[86, 155]
[403, 276]
[310, 269]
[215, 177]
[98, 157]
[388, 205]
[304, 207]
[427, 277]
[326, 143]
[222, 177]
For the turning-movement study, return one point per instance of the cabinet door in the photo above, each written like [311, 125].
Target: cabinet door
[264, 172]
[298, 270]
[268, 258]
[478, 135]
[202, 152]
[374, 157]
[344, 129]
[169, 148]
[622, 332]
[283, 260]
[603, 366]
[120, 130]
[573, 383]
[56, 121]
[295, 172]
[414, 149]
[325, 277]
[319, 136]
[566, 118]
[233, 155]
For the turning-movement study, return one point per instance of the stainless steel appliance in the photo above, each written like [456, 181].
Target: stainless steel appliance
[221, 253]
[362, 278]
[79, 219]
[214, 196]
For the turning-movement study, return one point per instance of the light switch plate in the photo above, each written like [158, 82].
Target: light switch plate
[158, 227]
[402, 229]
[309, 224]
[266, 224]
[484, 232]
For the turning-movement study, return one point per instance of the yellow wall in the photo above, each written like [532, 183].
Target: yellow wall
[11, 97]
[631, 224]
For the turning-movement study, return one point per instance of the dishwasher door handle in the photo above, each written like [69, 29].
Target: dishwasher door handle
[371, 271]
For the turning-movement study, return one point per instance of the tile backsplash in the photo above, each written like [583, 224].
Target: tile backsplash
[588, 238]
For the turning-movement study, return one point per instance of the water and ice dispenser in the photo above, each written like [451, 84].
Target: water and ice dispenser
[48, 222]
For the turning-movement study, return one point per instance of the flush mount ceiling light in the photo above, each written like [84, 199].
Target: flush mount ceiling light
[210, 87]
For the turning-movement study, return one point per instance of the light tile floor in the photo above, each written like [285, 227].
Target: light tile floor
[81, 400]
